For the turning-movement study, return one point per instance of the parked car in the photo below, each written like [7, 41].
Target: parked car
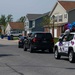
[39, 41]
[66, 47]
[16, 33]
[21, 41]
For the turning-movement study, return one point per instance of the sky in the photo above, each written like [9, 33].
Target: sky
[19, 8]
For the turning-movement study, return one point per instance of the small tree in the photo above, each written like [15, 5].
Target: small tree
[46, 21]
[4, 20]
[9, 18]
[22, 19]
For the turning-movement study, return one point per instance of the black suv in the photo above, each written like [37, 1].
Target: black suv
[39, 41]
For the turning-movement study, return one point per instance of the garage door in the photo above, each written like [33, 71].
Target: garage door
[55, 32]
[51, 30]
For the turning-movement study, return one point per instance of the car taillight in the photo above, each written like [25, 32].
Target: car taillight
[35, 39]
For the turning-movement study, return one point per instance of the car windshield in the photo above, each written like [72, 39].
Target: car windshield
[70, 37]
[44, 35]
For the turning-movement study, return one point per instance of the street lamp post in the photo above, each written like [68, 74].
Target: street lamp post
[53, 24]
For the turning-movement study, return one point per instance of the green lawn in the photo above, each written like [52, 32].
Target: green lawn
[15, 38]
[55, 40]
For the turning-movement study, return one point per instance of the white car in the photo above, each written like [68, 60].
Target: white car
[65, 46]
[14, 33]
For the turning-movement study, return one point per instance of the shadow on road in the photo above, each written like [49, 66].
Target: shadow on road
[42, 52]
[66, 59]
[2, 45]
[4, 55]
[6, 45]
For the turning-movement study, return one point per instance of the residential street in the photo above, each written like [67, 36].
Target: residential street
[14, 61]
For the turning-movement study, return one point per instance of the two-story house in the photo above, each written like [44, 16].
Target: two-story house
[34, 22]
[63, 13]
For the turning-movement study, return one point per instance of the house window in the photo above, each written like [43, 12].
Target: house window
[60, 18]
[56, 19]
[27, 25]
[33, 24]
[65, 15]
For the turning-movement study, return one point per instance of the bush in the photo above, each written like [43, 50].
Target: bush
[55, 40]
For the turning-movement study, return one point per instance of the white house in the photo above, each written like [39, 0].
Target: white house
[14, 26]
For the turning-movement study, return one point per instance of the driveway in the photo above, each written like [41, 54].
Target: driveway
[8, 42]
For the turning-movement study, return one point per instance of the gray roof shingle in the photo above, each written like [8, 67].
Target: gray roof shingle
[33, 16]
[36, 16]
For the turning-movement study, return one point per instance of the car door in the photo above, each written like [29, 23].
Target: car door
[66, 42]
[63, 44]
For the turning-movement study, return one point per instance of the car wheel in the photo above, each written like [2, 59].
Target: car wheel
[31, 49]
[71, 57]
[19, 46]
[25, 49]
[56, 54]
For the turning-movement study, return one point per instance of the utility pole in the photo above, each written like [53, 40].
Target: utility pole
[53, 24]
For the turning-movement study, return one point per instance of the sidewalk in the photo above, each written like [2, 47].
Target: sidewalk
[5, 41]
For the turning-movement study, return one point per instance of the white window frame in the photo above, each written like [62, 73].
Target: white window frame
[56, 18]
[65, 15]
[33, 24]
[60, 18]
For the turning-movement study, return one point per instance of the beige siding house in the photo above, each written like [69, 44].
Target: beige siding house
[60, 13]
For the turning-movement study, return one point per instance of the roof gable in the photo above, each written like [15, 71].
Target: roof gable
[36, 16]
[33, 16]
[67, 5]
[16, 25]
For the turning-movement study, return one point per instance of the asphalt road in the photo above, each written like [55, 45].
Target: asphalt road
[14, 61]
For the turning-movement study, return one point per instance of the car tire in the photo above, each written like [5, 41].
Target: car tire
[56, 54]
[71, 56]
[25, 49]
[19, 46]
[31, 49]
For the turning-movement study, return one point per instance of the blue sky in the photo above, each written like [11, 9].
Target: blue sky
[20, 8]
